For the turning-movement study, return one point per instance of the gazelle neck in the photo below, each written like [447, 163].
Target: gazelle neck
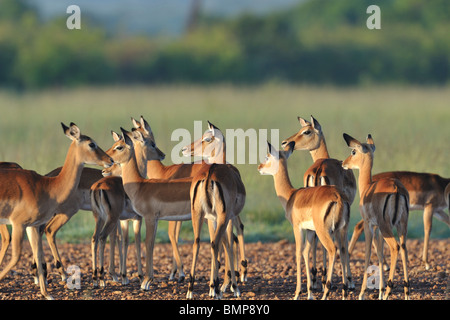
[365, 176]
[221, 155]
[155, 168]
[321, 152]
[130, 171]
[283, 186]
[141, 159]
[65, 183]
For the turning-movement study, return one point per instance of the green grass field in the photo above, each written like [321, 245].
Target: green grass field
[410, 126]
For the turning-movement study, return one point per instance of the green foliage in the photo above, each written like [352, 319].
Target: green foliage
[317, 41]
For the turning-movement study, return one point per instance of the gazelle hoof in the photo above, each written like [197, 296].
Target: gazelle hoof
[146, 284]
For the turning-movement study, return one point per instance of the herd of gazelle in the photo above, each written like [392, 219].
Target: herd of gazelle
[135, 185]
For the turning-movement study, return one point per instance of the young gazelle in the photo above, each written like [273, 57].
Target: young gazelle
[324, 171]
[160, 199]
[317, 209]
[384, 204]
[29, 200]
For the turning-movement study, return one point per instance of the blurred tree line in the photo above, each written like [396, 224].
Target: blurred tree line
[318, 41]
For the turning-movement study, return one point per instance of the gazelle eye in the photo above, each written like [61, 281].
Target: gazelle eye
[353, 152]
[307, 132]
[92, 145]
[119, 148]
[207, 139]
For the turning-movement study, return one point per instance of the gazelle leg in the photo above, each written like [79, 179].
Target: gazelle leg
[327, 242]
[94, 248]
[124, 227]
[215, 246]
[230, 259]
[197, 222]
[137, 224]
[379, 241]
[402, 232]
[310, 235]
[150, 226]
[343, 247]
[6, 240]
[113, 238]
[368, 242]
[357, 231]
[427, 225]
[314, 242]
[298, 234]
[36, 246]
[240, 235]
[174, 232]
[394, 248]
[51, 229]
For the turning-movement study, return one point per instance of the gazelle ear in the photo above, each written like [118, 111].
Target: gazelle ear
[316, 124]
[303, 122]
[146, 126]
[352, 142]
[370, 142]
[116, 136]
[288, 149]
[72, 132]
[274, 152]
[135, 123]
[126, 136]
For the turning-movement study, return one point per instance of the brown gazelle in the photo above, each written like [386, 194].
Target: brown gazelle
[427, 193]
[156, 170]
[28, 199]
[111, 205]
[212, 148]
[213, 197]
[384, 204]
[322, 210]
[154, 199]
[324, 171]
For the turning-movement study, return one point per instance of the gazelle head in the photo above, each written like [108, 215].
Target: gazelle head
[153, 152]
[274, 158]
[308, 137]
[114, 171]
[122, 150]
[362, 153]
[210, 145]
[88, 152]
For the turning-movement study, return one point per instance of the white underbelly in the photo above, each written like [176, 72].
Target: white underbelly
[309, 225]
[210, 216]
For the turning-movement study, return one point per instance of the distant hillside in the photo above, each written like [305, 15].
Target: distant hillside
[167, 17]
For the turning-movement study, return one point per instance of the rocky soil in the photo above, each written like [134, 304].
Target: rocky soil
[271, 274]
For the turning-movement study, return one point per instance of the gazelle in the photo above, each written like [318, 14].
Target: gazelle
[324, 171]
[427, 193]
[28, 199]
[154, 199]
[384, 204]
[214, 197]
[156, 170]
[112, 206]
[322, 210]
[212, 148]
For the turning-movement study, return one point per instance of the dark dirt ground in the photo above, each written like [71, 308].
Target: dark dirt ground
[271, 274]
